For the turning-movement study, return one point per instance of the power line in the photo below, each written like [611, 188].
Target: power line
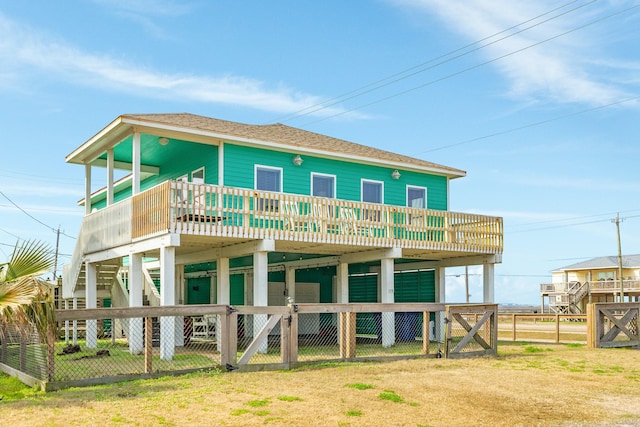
[529, 125]
[32, 217]
[392, 78]
[570, 225]
[478, 66]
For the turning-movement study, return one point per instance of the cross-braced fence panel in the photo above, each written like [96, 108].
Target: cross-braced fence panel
[471, 331]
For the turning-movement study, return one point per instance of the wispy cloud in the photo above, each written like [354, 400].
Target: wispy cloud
[145, 13]
[24, 48]
[561, 70]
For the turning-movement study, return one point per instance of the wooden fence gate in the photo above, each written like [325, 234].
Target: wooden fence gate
[606, 321]
[471, 330]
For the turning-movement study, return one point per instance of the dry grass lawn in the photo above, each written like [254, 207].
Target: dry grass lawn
[526, 385]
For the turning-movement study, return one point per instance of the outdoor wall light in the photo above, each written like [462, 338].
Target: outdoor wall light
[297, 160]
[163, 140]
[395, 174]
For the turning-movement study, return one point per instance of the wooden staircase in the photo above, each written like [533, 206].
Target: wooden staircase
[106, 274]
[568, 301]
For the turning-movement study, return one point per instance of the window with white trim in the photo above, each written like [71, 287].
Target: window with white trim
[372, 191]
[416, 197]
[268, 178]
[323, 185]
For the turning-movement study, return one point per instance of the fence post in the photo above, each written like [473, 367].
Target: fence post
[285, 340]
[148, 345]
[342, 334]
[351, 335]
[426, 331]
[513, 325]
[557, 328]
[229, 337]
[592, 326]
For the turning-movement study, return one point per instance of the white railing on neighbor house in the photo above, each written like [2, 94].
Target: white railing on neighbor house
[211, 210]
[599, 286]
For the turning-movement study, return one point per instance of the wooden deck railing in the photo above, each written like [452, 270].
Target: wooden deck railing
[210, 210]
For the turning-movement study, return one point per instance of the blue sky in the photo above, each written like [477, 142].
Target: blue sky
[537, 100]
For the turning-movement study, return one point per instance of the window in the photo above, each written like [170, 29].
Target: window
[372, 191]
[416, 197]
[197, 176]
[268, 179]
[323, 185]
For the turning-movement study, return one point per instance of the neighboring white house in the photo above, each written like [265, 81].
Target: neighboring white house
[594, 280]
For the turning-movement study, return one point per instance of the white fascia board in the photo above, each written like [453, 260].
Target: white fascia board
[86, 152]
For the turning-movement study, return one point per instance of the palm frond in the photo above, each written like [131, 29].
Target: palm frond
[29, 258]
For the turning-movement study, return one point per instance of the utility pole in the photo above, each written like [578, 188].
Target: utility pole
[55, 259]
[617, 221]
[466, 282]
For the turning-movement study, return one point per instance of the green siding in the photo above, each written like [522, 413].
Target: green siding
[297, 179]
[179, 158]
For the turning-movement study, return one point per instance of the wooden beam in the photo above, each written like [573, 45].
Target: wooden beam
[374, 255]
[145, 169]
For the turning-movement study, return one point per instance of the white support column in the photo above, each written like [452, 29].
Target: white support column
[260, 293]
[167, 297]
[223, 292]
[387, 296]
[488, 282]
[290, 284]
[91, 301]
[87, 189]
[223, 285]
[182, 297]
[342, 283]
[75, 323]
[66, 323]
[440, 285]
[110, 167]
[136, 291]
[135, 164]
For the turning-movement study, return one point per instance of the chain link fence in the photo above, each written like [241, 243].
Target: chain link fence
[114, 344]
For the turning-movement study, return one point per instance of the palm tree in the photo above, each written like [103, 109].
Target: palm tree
[25, 299]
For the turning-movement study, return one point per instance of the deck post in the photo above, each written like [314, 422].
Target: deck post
[290, 283]
[223, 293]
[440, 298]
[260, 293]
[135, 300]
[488, 283]
[91, 301]
[387, 296]
[342, 283]
[167, 297]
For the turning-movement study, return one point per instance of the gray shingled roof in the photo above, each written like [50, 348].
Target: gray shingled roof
[628, 261]
[286, 135]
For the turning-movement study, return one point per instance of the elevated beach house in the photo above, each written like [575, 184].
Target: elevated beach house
[602, 279]
[198, 210]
